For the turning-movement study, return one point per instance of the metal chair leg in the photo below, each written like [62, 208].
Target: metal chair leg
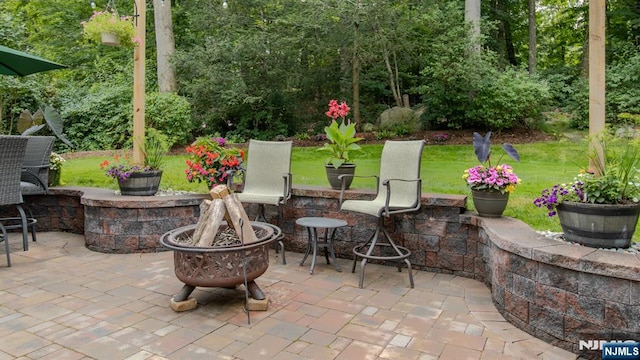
[25, 229]
[402, 253]
[6, 244]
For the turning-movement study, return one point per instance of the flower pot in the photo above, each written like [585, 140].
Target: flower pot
[598, 225]
[489, 203]
[333, 173]
[110, 39]
[141, 183]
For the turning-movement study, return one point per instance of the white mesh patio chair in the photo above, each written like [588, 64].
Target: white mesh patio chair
[34, 179]
[266, 178]
[12, 149]
[398, 191]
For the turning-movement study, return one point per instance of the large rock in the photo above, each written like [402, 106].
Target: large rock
[400, 117]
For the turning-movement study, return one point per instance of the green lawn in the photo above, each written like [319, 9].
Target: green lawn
[541, 166]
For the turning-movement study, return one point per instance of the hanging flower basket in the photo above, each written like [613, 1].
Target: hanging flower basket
[121, 28]
[109, 38]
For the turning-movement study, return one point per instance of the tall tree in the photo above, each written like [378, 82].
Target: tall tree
[532, 37]
[472, 14]
[165, 45]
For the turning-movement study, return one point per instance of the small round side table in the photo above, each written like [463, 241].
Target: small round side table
[313, 224]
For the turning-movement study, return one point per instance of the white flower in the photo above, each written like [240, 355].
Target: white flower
[55, 161]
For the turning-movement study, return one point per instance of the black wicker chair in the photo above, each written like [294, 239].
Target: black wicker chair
[34, 179]
[12, 149]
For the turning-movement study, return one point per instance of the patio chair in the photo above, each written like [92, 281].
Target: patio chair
[401, 185]
[35, 169]
[12, 149]
[266, 179]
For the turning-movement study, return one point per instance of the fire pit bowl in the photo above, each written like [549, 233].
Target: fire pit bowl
[220, 266]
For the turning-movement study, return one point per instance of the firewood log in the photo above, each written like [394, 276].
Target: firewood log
[236, 212]
[211, 223]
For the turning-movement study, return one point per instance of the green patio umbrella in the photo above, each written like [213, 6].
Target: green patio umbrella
[14, 62]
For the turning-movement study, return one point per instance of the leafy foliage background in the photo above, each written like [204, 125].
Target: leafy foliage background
[266, 69]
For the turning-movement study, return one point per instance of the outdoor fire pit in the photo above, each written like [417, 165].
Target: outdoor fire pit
[220, 265]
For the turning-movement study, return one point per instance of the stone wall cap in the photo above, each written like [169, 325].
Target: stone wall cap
[515, 236]
[101, 197]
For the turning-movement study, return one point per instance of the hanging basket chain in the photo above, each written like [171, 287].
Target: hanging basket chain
[111, 6]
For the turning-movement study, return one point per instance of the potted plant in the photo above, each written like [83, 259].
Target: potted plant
[135, 179]
[108, 28]
[212, 161]
[55, 168]
[491, 185]
[342, 143]
[600, 208]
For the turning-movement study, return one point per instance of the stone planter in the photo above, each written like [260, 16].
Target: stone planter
[598, 225]
[489, 203]
[333, 173]
[141, 183]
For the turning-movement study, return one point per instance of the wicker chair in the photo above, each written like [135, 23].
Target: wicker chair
[12, 149]
[400, 179]
[266, 180]
[35, 169]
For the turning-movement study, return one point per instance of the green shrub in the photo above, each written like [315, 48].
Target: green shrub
[623, 87]
[622, 93]
[511, 98]
[100, 119]
[560, 81]
[171, 114]
[384, 134]
[17, 95]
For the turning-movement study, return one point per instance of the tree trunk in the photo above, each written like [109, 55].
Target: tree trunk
[508, 39]
[393, 84]
[355, 106]
[165, 45]
[532, 37]
[500, 32]
[472, 14]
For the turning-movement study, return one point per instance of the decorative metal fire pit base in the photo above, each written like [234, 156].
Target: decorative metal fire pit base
[220, 266]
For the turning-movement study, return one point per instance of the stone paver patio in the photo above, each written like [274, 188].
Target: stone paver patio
[60, 300]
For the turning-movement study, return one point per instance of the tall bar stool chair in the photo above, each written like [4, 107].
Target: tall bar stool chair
[398, 191]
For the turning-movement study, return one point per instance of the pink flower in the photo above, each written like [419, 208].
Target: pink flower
[337, 110]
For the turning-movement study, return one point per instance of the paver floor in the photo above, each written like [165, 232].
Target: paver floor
[60, 300]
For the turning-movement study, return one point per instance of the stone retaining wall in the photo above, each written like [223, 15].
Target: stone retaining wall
[558, 292]
[112, 223]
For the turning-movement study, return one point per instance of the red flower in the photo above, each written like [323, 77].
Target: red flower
[210, 161]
